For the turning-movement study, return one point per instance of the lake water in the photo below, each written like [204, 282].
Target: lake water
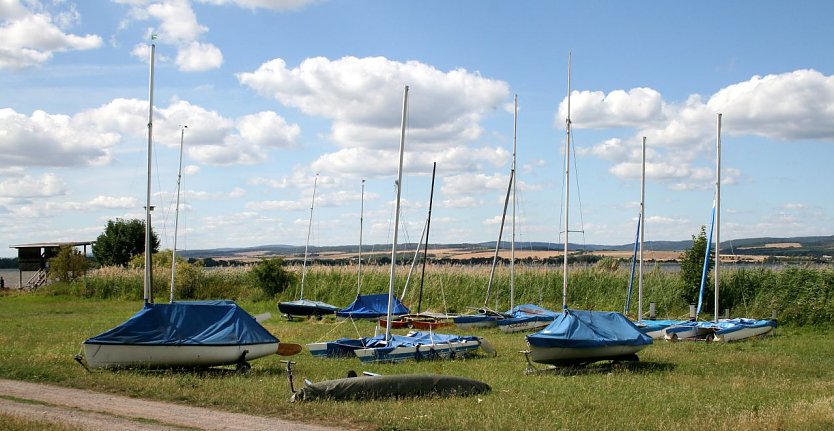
[12, 278]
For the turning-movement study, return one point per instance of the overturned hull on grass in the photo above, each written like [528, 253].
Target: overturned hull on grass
[405, 385]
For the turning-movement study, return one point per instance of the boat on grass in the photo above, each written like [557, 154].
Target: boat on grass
[306, 307]
[579, 337]
[421, 320]
[372, 306]
[417, 345]
[389, 347]
[719, 329]
[392, 386]
[526, 317]
[179, 334]
[182, 334]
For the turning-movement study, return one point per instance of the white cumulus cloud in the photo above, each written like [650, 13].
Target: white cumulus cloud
[30, 37]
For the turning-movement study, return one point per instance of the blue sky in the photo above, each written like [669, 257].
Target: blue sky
[276, 91]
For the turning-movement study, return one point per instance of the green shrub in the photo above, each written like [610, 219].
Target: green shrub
[271, 277]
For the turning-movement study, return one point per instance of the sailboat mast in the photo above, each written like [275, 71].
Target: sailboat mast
[498, 243]
[361, 223]
[391, 279]
[176, 219]
[148, 208]
[307, 243]
[717, 211]
[426, 248]
[567, 198]
[642, 232]
[512, 244]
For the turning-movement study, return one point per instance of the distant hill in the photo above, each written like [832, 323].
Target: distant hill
[809, 246]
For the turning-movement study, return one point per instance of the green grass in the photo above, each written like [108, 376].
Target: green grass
[776, 383]
[16, 423]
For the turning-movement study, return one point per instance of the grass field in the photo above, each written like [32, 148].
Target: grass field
[784, 382]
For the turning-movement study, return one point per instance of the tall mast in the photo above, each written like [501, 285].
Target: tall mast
[717, 211]
[361, 220]
[567, 198]
[176, 219]
[307, 243]
[498, 243]
[391, 279]
[426, 248]
[512, 244]
[642, 233]
[148, 208]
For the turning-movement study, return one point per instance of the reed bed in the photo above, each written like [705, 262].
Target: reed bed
[798, 295]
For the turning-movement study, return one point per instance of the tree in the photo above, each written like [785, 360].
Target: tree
[68, 264]
[271, 276]
[121, 240]
[692, 264]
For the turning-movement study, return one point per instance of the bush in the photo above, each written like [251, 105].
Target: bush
[68, 265]
[271, 277]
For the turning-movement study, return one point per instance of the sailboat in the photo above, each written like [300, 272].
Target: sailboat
[301, 306]
[524, 317]
[421, 320]
[179, 334]
[719, 329]
[371, 306]
[654, 328]
[486, 317]
[388, 347]
[582, 336]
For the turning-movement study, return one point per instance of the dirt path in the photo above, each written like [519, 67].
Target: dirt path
[93, 410]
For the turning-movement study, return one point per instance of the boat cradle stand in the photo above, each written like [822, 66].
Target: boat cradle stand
[578, 366]
[241, 366]
[289, 374]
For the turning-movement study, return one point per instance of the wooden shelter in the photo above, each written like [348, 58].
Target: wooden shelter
[35, 257]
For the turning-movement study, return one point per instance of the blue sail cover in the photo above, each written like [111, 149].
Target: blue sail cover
[528, 313]
[371, 307]
[588, 329]
[214, 323]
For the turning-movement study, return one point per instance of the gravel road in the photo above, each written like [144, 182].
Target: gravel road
[94, 410]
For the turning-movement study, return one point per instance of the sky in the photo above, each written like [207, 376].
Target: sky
[282, 95]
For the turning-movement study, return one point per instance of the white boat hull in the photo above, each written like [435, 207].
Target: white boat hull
[565, 355]
[423, 351]
[675, 333]
[743, 334]
[164, 356]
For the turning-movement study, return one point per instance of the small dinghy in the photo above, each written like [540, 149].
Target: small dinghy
[526, 317]
[397, 386]
[580, 337]
[182, 334]
[372, 306]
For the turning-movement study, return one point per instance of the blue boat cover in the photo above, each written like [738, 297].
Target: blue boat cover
[586, 329]
[345, 346]
[481, 315]
[216, 323]
[371, 307]
[647, 326]
[418, 338]
[527, 313]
